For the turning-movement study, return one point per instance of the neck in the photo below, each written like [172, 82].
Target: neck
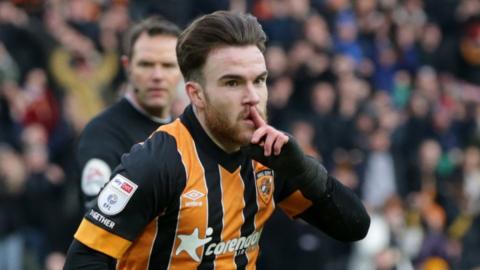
[225, 146]
[161, 117]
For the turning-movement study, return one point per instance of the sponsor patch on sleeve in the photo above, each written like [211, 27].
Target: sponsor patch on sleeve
[95, 175]
[116, 194]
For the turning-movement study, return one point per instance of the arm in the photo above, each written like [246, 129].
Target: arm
[139, 188]
[340, 213]
[98, 152]
[80, 256]
[61, 69]
[331, 207]
[108, 68]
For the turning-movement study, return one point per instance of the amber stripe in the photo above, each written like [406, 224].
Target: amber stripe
[295, 204]
[190, 217]
[101, 240]
[137, 256]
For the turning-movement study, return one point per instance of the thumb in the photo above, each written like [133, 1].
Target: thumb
[257, 119]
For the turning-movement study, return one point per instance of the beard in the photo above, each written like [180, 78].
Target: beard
[228, 132]
[223, 129]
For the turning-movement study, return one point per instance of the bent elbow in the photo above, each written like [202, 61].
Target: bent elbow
[354, 230]
[363, 225]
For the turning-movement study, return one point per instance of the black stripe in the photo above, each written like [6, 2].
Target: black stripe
[251, 208]
[167, 226]
[168, 218]
[215, 209]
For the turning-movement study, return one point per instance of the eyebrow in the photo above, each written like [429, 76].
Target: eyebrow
[238, 77]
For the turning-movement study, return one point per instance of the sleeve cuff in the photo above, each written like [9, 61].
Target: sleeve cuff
[101, 240]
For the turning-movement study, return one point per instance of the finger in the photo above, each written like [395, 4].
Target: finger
[279, 143]
[269, 140]
[259, 134]
[257, 119]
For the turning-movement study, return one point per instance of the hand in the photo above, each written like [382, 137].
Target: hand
[287, 154]
[288, 159]
[267, 136]
[290, 162]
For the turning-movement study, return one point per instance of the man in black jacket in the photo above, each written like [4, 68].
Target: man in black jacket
[153, 74]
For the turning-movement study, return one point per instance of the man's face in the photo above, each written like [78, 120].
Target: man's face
[234, 82]
[154, 73]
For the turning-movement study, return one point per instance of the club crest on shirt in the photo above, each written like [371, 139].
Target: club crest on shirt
[264, 180]
[116, 194]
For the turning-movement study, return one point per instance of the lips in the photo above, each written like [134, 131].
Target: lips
[157, 91]
[247, 118]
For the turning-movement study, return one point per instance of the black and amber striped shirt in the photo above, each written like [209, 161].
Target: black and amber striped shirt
[183, 203]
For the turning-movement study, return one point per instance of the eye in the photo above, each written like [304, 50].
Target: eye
[169, 65]
[231, 83]
[260, 80]
[145, 64]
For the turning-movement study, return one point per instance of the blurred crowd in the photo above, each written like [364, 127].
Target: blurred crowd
[385, 93]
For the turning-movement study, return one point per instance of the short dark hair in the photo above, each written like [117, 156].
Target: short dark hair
[221, 28]
[153, 26]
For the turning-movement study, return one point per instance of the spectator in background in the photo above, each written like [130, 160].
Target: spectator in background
[469, 66]
[39, 104]
[346, 39]
[277, 62]
[12, 215]
[471, 249]
[379, 183]
[435, 242]
[471, 179]
[8, 67]
[44, 188]
[431, 49]
[17, 33]
[11, 112]
[406, 141]
[402, 89]
[280, 92]
[82, 71]
[323, 101]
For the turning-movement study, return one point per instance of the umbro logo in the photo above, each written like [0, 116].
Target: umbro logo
[192, 196]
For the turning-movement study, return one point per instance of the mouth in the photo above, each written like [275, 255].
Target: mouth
[248, 120]
[157, 91]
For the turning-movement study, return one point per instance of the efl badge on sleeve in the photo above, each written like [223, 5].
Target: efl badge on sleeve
[116, 194]
[264, 180]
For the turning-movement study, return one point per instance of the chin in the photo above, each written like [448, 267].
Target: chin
[245, 138]
[155, 105]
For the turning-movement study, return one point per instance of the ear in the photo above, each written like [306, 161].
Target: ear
[196, 94]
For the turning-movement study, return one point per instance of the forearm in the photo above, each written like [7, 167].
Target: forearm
[312, 181]
[82, 257]
[339, 213]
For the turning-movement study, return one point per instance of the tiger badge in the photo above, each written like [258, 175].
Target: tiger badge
[265, 186]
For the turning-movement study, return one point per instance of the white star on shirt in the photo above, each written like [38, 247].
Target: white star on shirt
[190, 243]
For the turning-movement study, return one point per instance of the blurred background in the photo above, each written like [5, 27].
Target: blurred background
[386, 93]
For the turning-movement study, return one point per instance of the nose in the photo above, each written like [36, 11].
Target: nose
[157, 73]
[252, 96]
